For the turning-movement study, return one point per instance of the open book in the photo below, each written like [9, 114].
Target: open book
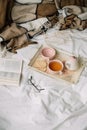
[10, 71]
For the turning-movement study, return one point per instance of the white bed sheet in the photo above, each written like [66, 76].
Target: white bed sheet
[61, 106]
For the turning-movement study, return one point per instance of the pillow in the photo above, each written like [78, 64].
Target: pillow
[28, 1]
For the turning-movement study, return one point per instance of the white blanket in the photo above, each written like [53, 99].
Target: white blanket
[60, 106]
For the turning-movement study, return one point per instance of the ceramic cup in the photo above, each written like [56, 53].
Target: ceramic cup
[48, 53]
[72, 63]
[55, 67]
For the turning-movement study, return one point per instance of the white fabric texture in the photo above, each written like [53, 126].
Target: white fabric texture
[61, 106]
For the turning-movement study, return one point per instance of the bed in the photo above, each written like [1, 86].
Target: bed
[61, 105]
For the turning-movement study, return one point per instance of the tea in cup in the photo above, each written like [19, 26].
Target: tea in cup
[72, 63]
[55, 67]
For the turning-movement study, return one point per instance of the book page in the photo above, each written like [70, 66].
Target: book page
[10, 65]
[9, 75]
[10, 71]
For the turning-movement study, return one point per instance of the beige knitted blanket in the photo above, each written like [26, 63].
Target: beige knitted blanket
[46, 13]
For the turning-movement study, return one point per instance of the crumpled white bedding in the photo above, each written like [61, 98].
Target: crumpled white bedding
[61, 106]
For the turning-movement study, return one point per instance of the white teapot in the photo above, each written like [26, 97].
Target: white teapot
[72, 63]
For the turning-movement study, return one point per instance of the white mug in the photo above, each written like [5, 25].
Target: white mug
[72, 63]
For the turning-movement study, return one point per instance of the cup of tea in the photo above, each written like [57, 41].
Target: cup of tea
[55, 67]
[72, 63]
[48, 53]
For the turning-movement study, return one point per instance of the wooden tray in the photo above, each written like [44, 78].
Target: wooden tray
[38, 63]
